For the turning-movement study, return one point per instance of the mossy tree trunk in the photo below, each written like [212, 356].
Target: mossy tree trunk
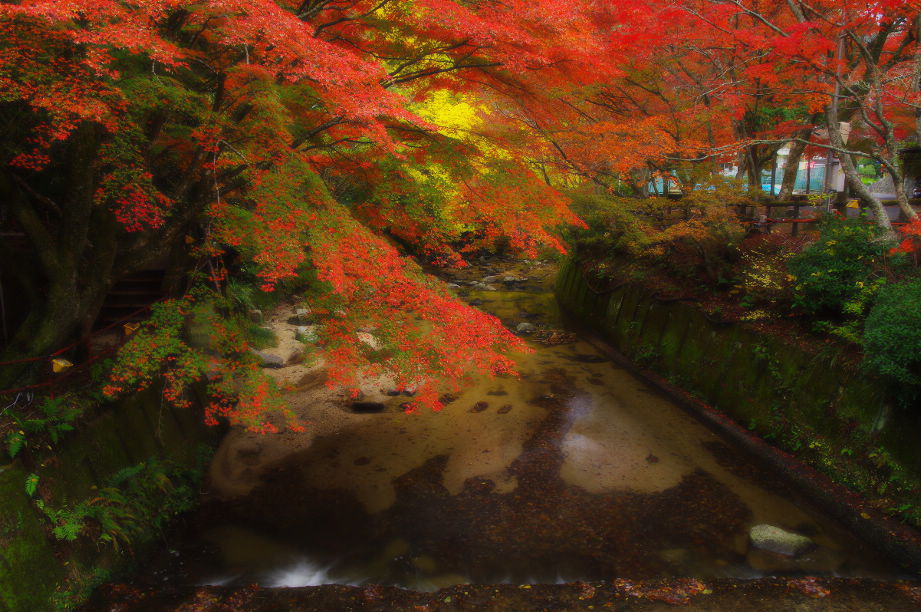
[76, 249]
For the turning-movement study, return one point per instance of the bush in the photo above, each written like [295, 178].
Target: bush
[892, 334]
[833, 271]
[762, 272]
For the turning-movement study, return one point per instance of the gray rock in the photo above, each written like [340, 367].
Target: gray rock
[487, 288]
[489, 279]
[296, 356]
[777, 540]
[255, 315]
[302, 316]
[268, 360]
[453, 286]
[525, 328]
[306, 333]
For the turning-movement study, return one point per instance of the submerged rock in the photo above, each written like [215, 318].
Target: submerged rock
[818, 561]
[368, 407]
[587, 358]
[525, 328]
[780, 541]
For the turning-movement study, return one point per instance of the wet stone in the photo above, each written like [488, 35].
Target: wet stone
[479, 407]
[505, 409]
[818, 561]
[780, 541]
[525, 328]
[368, 407]
[587, 358]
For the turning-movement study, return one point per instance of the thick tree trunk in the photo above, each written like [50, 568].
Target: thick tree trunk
[916, 78]
[72, 250]
[853, 178]
[754, 169]
[788, 184]
[901, 196]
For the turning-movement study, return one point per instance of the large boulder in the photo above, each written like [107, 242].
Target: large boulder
[525, 328]
[270, 360]
[780, 541]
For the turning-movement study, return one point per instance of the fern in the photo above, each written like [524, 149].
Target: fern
[15, 442]
[69, 530]
[31, 484]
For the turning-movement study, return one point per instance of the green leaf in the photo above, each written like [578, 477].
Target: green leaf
[31, 484]
[14, 442]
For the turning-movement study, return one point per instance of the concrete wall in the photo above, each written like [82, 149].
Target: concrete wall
[756, 380]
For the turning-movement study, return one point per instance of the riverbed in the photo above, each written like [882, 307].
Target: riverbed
[573, 471]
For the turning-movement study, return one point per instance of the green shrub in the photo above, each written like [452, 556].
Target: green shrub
[762, 272]
[892, 334]
[136, 504]
[54, 418]
[835, 269]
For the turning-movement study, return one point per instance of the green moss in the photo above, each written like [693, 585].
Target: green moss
[34, 568]
[27, 562]
[834, 417]
[105, 450]
[672, 339]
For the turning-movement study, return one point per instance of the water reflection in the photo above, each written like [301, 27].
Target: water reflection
[575, 471]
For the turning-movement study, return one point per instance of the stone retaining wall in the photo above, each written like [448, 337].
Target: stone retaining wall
[33, 564]
[752, 378]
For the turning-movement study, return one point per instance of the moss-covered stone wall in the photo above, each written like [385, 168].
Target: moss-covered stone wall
[34, 566]
[761, 382]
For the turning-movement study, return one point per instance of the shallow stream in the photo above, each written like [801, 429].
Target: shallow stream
[574, 471]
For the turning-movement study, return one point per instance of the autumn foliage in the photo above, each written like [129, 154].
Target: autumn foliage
[343, 137]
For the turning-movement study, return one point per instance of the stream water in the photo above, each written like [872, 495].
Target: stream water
[574, 471]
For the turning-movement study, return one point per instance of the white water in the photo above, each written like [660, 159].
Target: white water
[303, 573]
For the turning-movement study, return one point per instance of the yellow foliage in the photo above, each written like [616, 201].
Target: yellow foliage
[454, 116]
